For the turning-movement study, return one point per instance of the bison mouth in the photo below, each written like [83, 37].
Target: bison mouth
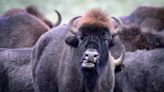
[88, 64]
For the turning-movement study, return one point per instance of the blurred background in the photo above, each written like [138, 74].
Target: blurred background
[70, 8]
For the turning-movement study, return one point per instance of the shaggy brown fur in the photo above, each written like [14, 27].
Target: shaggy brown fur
[133, 38]
[97, 18]
[143, 28]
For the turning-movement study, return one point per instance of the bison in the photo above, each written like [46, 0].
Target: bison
[142, 72]
[32, 10]
[147, 18]
[21, 29]
[76, 57]
[16, 70]
[143, 28]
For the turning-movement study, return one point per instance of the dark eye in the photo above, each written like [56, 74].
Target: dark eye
[81, 38]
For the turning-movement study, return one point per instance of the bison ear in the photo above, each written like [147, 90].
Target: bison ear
[72, 41]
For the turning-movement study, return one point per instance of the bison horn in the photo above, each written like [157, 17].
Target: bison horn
[119, 61]
[119, 28]
[73, 29]
[59, 18]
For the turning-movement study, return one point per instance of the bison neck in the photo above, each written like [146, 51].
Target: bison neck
[90, 80]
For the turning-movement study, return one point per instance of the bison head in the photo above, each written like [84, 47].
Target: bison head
[92, 34]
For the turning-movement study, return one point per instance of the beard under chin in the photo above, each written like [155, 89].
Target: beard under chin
[89, 71]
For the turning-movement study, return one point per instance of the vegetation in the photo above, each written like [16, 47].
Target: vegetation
[70, 8]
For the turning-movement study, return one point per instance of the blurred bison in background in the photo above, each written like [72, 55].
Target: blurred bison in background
[143, 29]
[22, 28]
[33, 11]
[147, 18]
[76, 57]
[16, 70]
[143, 71]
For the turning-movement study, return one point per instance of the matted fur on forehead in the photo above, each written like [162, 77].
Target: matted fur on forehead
[96, 17]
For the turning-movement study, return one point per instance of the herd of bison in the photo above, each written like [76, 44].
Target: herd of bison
[91, 53]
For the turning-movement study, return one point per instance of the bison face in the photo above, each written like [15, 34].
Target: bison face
[93, 44]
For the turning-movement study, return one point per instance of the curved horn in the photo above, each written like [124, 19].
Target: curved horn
[59, 19]
[73, 29]
[119, 28]
[119, 61]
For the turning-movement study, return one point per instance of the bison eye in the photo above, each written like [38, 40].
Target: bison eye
[81, 38]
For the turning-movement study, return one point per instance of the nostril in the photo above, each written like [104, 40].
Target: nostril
[86, 55]
[84, 59]
[95, 55]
